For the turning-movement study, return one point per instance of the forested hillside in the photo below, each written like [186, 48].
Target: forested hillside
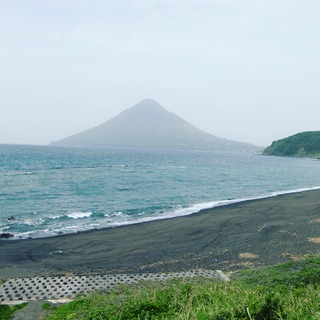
[304, 144]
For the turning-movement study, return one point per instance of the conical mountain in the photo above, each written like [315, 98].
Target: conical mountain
[149, 125]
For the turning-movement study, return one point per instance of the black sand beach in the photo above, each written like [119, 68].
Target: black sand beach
[252, 233]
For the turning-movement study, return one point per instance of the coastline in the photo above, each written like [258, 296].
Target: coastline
[193, 209]
[249, 233]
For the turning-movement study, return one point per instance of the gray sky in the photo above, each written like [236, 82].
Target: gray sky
[246, 70]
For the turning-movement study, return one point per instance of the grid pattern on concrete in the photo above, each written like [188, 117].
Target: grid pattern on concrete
[67, 287]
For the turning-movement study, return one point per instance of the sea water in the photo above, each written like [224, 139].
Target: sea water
[46, 191]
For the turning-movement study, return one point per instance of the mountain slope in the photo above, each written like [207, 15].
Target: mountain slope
[303, 144]
[148, 125]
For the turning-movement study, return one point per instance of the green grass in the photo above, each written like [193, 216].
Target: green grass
[287, 291]
[293, 274]
[48, 306]
[6, 312]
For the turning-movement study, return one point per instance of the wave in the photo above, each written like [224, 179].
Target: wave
[79, 215]
[277, 193]
[16, 173]
[54, 217]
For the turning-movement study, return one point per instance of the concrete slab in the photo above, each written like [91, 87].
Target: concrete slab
[59, 288]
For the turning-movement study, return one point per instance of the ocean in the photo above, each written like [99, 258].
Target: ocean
[47, 191]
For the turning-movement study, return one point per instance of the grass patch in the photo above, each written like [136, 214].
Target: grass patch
[287, 291]
[47, 306]
[294, 274]
[6, 312]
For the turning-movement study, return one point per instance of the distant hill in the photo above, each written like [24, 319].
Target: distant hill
[148, 125]
[303, 144]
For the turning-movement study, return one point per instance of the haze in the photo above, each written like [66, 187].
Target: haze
[244, 70]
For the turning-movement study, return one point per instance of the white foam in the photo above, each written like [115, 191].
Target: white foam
[277, 193]
[56, 217]
[114, 214]
[79, 215]
[31, 222]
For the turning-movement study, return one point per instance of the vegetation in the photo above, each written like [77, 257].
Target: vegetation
[6, 312]
[47, 306]
[304, 144]
[287, 291]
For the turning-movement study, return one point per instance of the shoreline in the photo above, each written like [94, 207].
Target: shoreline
[243, 234]
[190, 211]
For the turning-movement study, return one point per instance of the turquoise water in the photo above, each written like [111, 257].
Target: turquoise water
[52, 190]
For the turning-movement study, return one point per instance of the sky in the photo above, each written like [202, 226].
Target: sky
[246, 70]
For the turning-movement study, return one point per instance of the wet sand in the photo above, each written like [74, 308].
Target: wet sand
[251, 233]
